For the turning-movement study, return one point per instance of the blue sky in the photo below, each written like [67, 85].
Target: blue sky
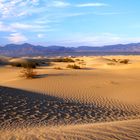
[69, 22]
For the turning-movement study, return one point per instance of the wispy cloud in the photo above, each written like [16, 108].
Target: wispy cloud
[38, 17]
[5, 28]
[20, 26]
[59, 4]
[16, 26]
[78, 39]
[17, 38]
[91, 5]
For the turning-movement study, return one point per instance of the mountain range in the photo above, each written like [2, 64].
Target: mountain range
[34, 50]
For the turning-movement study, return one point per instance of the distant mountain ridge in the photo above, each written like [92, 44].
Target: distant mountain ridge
[27, 49]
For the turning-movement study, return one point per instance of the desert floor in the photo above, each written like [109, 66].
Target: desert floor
[101, 101]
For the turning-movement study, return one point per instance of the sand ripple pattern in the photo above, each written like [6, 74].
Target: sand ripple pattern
[24, 107]
[119, 130]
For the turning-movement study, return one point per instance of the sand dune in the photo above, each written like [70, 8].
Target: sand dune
[100, 102]
[119, 130]
[20, 106]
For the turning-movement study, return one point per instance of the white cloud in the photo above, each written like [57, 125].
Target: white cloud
[5, 28]
[20, 26]
[15, 8]
[59, 4]
[17, 27]
[91, 5]
[79, 39]
[35, 1]
[17, 38]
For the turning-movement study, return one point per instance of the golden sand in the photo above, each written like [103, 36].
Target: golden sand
[100, 101]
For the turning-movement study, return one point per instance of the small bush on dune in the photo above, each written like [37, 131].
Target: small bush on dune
[28, 73]
[16, 64]
[63, 60]
[74, 66]
[58, 68]
[77, 59]
[24, 64]
[29, 65]
[117, 61]
[43, 62]
[125, 61]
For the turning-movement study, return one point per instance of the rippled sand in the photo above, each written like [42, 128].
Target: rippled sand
[100, 101]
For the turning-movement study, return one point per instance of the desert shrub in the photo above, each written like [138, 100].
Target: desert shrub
[63, 60]
[24, 64]
[114, 60]
[42, 62]
[77, 59]
[16, 64]
[29, 65]
[111, 63]
[74, 66]
[125, 61]
[47, 63]
[28, 73]
[58, 68]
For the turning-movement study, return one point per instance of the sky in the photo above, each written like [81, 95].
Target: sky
[69, 22]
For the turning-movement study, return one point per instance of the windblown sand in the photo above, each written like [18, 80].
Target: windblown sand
[100, 101]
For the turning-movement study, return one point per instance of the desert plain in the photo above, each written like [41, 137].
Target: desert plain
[99, 101]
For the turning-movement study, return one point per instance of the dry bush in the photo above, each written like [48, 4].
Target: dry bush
[63, 60]
[125, 61]
[58, 68]
[24, 64]
[28, 73]
[115, 61]
[77, 59]
[74, 66]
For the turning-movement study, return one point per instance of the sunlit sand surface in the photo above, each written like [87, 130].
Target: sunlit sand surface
[100, 101]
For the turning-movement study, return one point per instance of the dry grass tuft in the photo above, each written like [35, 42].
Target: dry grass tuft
[28, 73]
[58, 68]
[74, 66]
[63, 60]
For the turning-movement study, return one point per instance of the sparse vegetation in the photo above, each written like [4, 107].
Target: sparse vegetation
[77, 59]
[82, 63]
[28, 73]
[74, 66]
[58, 68]
[125, 61]
[63, 60]
[118, 61]
[115, 60]
[27, 64]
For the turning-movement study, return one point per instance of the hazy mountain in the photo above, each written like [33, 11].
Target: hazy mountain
[29, 49]
[133, 47]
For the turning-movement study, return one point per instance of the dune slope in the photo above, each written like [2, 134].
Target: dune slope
[119, 130]
[24, 107]
[100, 102]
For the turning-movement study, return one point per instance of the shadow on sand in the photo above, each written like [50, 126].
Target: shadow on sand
[21, 106]
[46, 75]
